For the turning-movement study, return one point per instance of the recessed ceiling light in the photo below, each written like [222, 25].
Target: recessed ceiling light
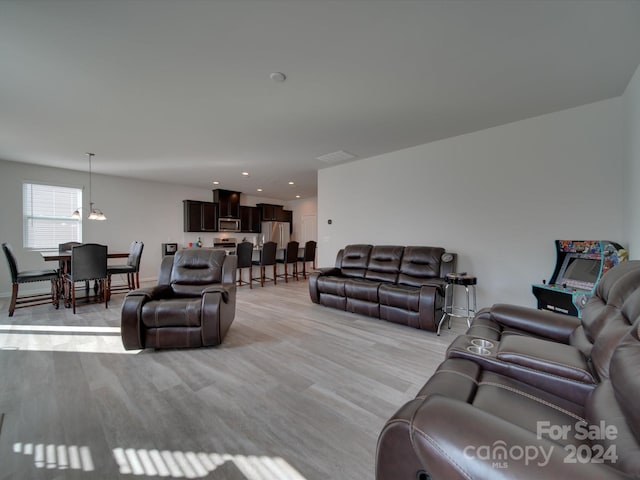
[297, 196]
[291, 183]
[216, 183]
[259, 190]
[246, 174]
[278, 77]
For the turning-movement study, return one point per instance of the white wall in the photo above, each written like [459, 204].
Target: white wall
[498, 197]
[136, 210]
[301, 207]
[631, 100]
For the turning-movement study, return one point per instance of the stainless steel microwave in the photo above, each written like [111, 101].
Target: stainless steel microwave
[229, 225]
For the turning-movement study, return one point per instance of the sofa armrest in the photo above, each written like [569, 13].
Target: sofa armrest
[556, 359]
[218, 312]
[131, 316]
[430, 302]
[455, 440]
[538, 322]
[223, 289]
[313, 281]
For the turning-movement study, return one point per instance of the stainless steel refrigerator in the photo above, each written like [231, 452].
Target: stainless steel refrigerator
[275, 232]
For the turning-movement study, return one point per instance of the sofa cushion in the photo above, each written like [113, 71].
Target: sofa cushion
[419, 265]
[384, 263]
[331, 285]
[197, 267]
[362, 289]
[355, 260]
[402, 296]
[172, 313]
[502, 396]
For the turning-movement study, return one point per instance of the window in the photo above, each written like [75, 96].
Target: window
[47, 213]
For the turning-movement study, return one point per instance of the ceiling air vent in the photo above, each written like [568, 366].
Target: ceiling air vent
[335, 157]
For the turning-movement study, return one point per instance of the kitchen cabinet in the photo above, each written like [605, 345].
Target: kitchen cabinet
[249, 219]
[287, 216]
[228, 203]
[270, 213]
[200, 216]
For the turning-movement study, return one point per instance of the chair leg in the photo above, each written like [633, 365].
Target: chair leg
[55, 292]
[286, 274]
[251, 277]
[14, 298]
[73, 297]
[275, 273]
[106, 291]
[262, 276]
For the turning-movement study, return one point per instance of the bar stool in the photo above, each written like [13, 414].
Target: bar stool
[450, 309]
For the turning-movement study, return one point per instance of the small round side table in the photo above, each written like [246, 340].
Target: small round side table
[450, 309]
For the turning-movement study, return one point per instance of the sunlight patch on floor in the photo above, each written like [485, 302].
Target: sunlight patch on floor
[62, 338]
[176, 464]
[157, 463]
[60, 457]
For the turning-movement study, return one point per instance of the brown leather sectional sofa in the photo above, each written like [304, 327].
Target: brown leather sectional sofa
[395, 283]
[549, 397]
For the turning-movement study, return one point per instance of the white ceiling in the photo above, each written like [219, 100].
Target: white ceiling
[179, 90]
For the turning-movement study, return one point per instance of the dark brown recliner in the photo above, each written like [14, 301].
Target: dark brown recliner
[193, 304]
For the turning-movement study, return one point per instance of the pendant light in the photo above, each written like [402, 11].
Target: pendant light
[94, 213]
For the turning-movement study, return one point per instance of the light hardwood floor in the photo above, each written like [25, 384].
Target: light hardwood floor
[297, 391]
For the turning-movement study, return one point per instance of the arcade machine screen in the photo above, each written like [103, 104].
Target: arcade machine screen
[581, 273]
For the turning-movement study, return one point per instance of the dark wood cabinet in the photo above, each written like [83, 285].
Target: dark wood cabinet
[200, 216]
[228, 203]
[286, 216]
[250, 219]
[270, 213]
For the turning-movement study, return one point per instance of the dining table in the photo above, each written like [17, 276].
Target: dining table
[64, 258]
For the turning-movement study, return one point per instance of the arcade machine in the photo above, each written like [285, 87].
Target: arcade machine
[579, 266]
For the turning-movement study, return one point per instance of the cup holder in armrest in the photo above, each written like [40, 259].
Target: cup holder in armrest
[466, 346]
[481, 342]
[478, 350]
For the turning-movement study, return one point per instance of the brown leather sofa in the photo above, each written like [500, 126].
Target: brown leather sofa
[193, 304]
[543, 394]
[395, 283]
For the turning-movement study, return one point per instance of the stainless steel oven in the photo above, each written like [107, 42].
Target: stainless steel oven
[227, 244]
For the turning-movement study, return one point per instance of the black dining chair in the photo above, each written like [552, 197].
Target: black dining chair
[244, 251]
[267, 258]
[65, 247]
[29, 276]
[290, 258]
[131, 269]
[88, 262]
[309, 255]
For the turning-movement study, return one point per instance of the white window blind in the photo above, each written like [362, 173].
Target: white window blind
[47, 218]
